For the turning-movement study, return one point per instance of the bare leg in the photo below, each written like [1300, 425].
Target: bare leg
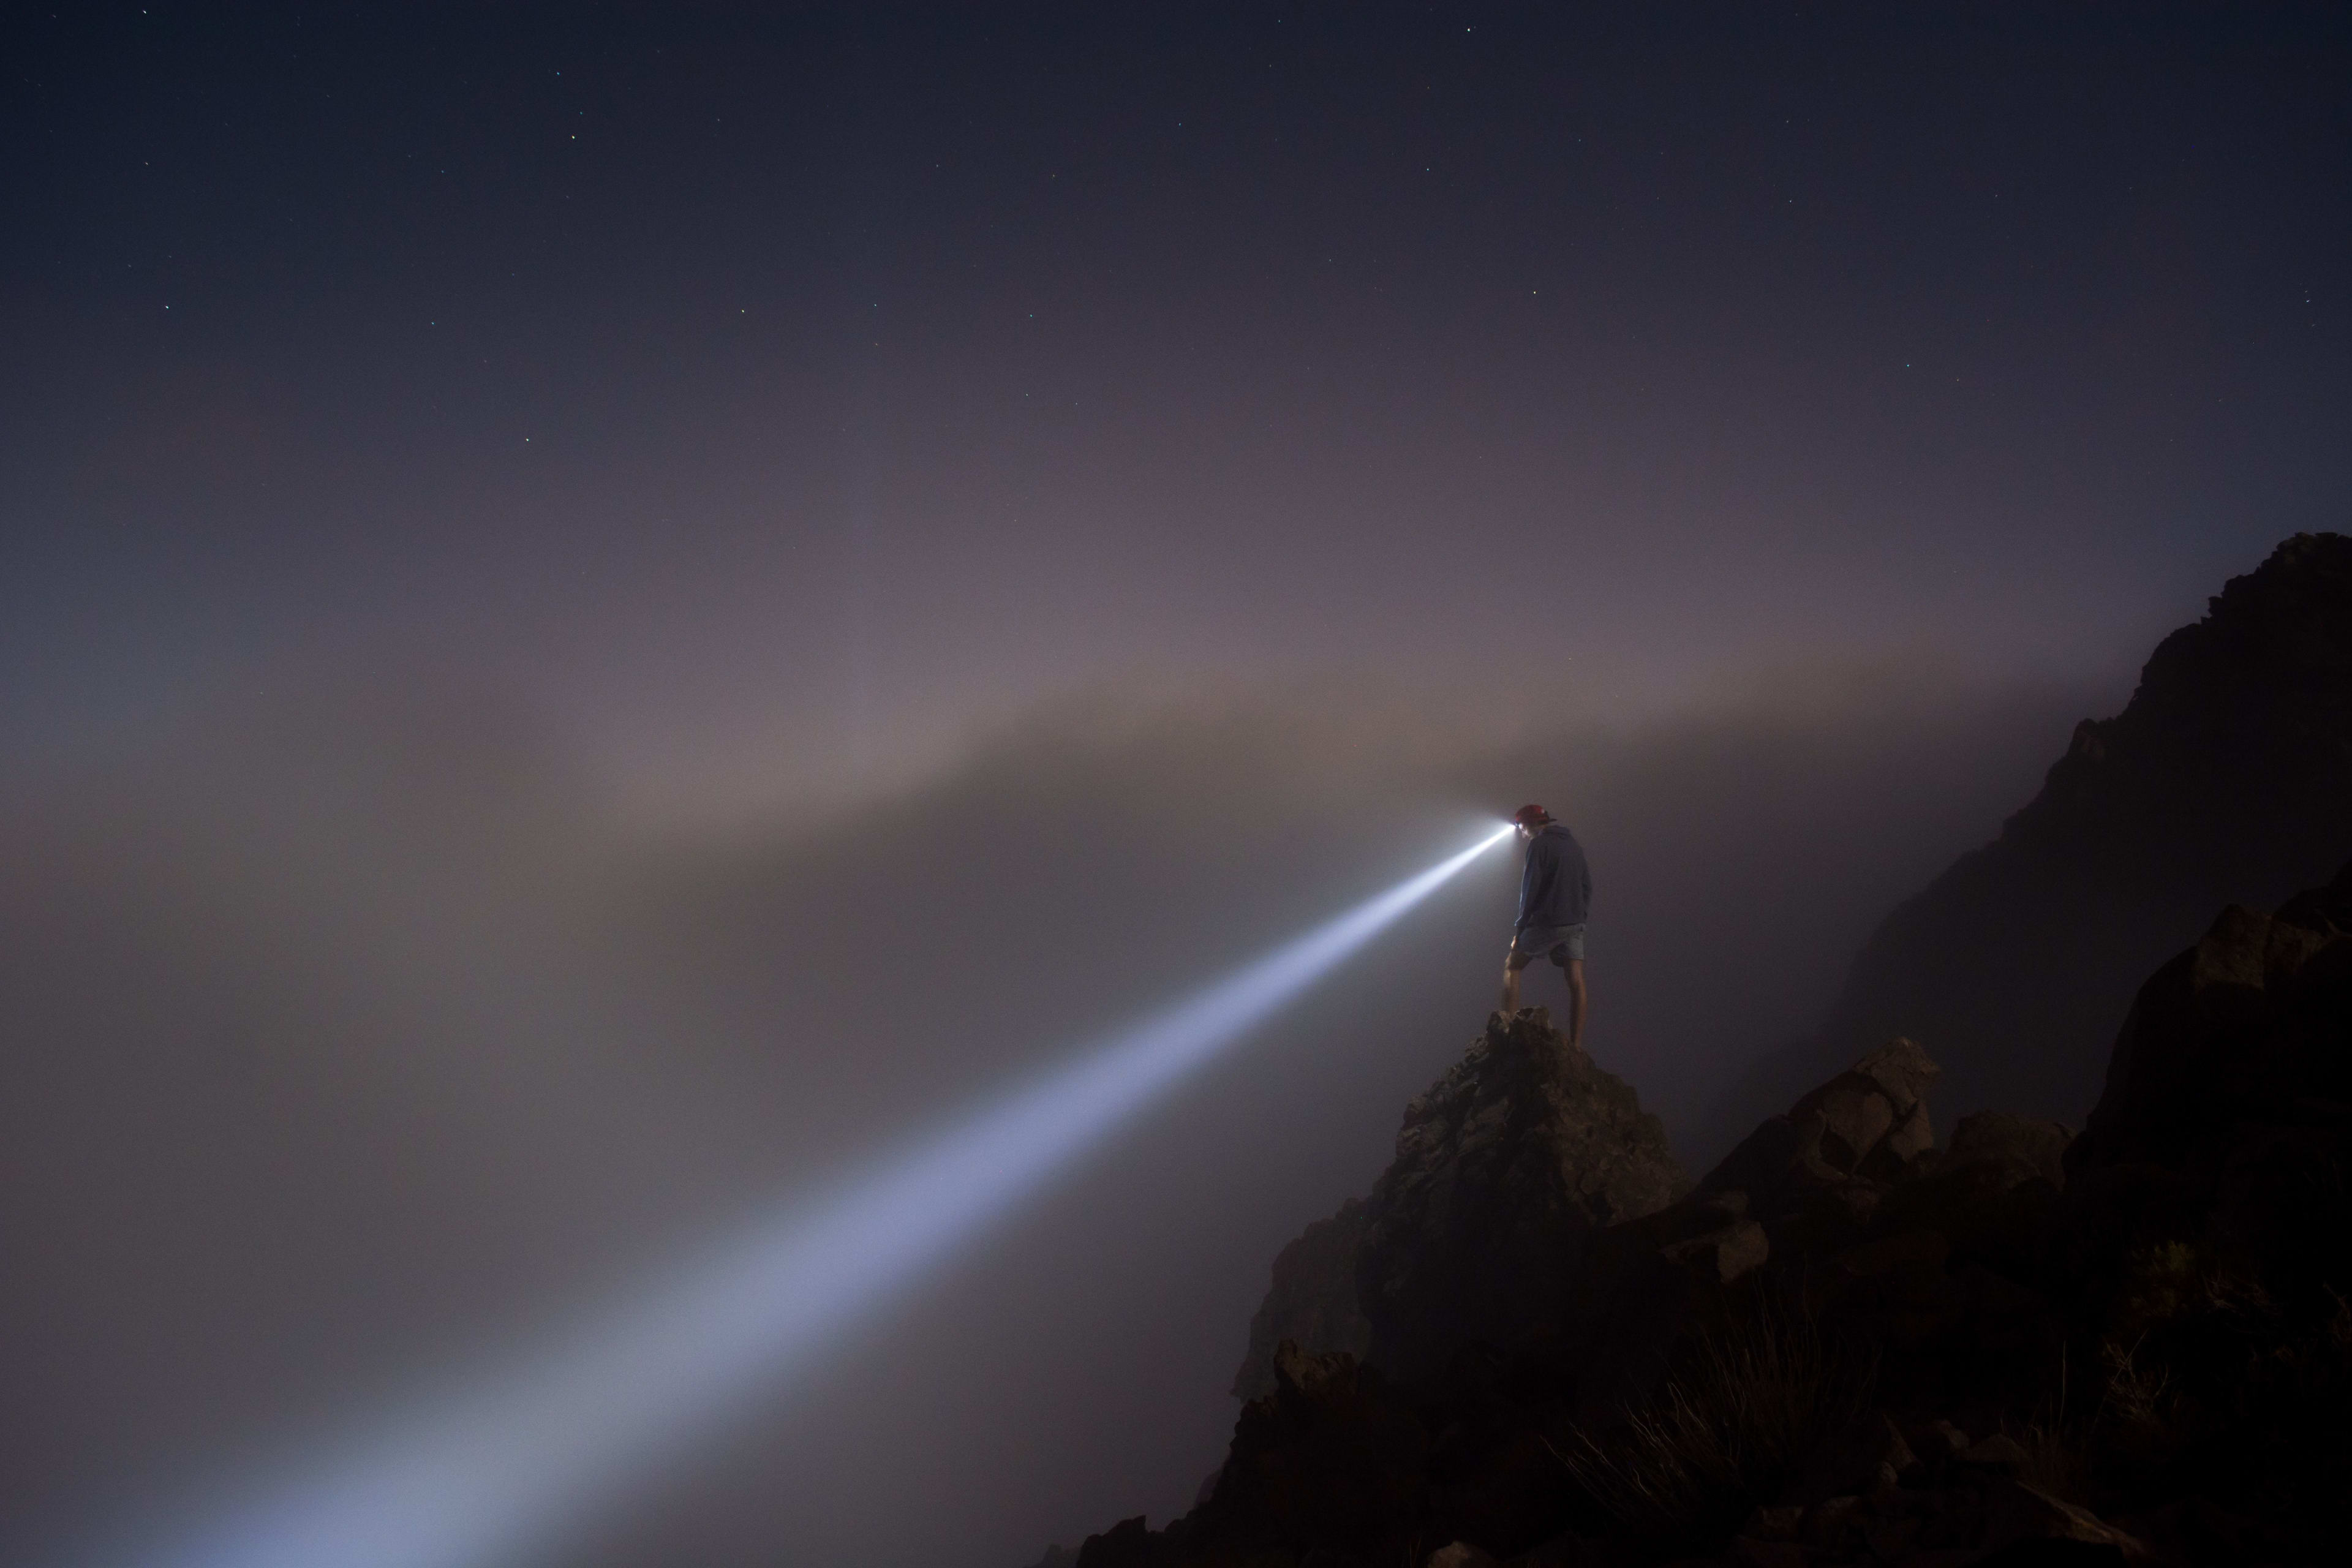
[1575, 967]
[1512, 965]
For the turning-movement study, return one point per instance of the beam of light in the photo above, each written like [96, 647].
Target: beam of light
[495, 1467]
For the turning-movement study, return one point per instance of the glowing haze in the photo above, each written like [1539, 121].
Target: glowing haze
[493, 1465]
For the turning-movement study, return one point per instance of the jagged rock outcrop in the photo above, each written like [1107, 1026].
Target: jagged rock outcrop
[1848, 1345]
[1503, 1168]
[1461, 1258]
[1525, 1146]
[2222, 781]
[1311, 1302]
[1806, 1185]
[1504, 1171]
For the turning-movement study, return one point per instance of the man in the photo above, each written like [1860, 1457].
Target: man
[1555, 891]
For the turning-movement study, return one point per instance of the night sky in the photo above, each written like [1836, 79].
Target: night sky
[772, 396]
[601, 606]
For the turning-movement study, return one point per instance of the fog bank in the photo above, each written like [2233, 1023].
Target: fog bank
[349, 1033]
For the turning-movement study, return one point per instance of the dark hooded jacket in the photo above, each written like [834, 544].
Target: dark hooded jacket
[1557, 888]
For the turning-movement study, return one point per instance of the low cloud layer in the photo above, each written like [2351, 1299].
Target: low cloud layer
[348, 1036]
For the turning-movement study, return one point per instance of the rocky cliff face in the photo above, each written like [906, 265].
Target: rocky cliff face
[2223, 779]
[1312, 1302]
[1848, 1344]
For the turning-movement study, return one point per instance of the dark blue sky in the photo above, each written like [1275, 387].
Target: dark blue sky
[772, 398]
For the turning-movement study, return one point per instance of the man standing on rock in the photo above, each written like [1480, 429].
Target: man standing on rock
[1555, 891]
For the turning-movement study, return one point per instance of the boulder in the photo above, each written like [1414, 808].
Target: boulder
[1722, 1256]
[1901, 1071]
[1990, 1193]
[1818, 1173]
[1998, 1452]
[2009, 1149]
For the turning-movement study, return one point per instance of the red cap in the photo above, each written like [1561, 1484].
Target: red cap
[1531, 817]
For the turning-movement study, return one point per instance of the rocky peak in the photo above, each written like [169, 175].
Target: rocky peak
[1503, 1168]
[1504, 1171]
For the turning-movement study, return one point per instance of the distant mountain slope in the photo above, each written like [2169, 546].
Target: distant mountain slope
[2226, 779]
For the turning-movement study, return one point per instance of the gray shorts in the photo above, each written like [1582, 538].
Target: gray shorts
[1561, 944]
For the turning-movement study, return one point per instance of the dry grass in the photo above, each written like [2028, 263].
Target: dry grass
[2137, 1394]
[1728, 1429]
[2056, 1459]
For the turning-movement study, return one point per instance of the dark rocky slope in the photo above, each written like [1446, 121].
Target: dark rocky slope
[1504, 1171]
[2224, 780]
[1848, 1344]
[1312, 1301]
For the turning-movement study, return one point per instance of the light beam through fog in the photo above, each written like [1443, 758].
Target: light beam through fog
[499, 1465]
